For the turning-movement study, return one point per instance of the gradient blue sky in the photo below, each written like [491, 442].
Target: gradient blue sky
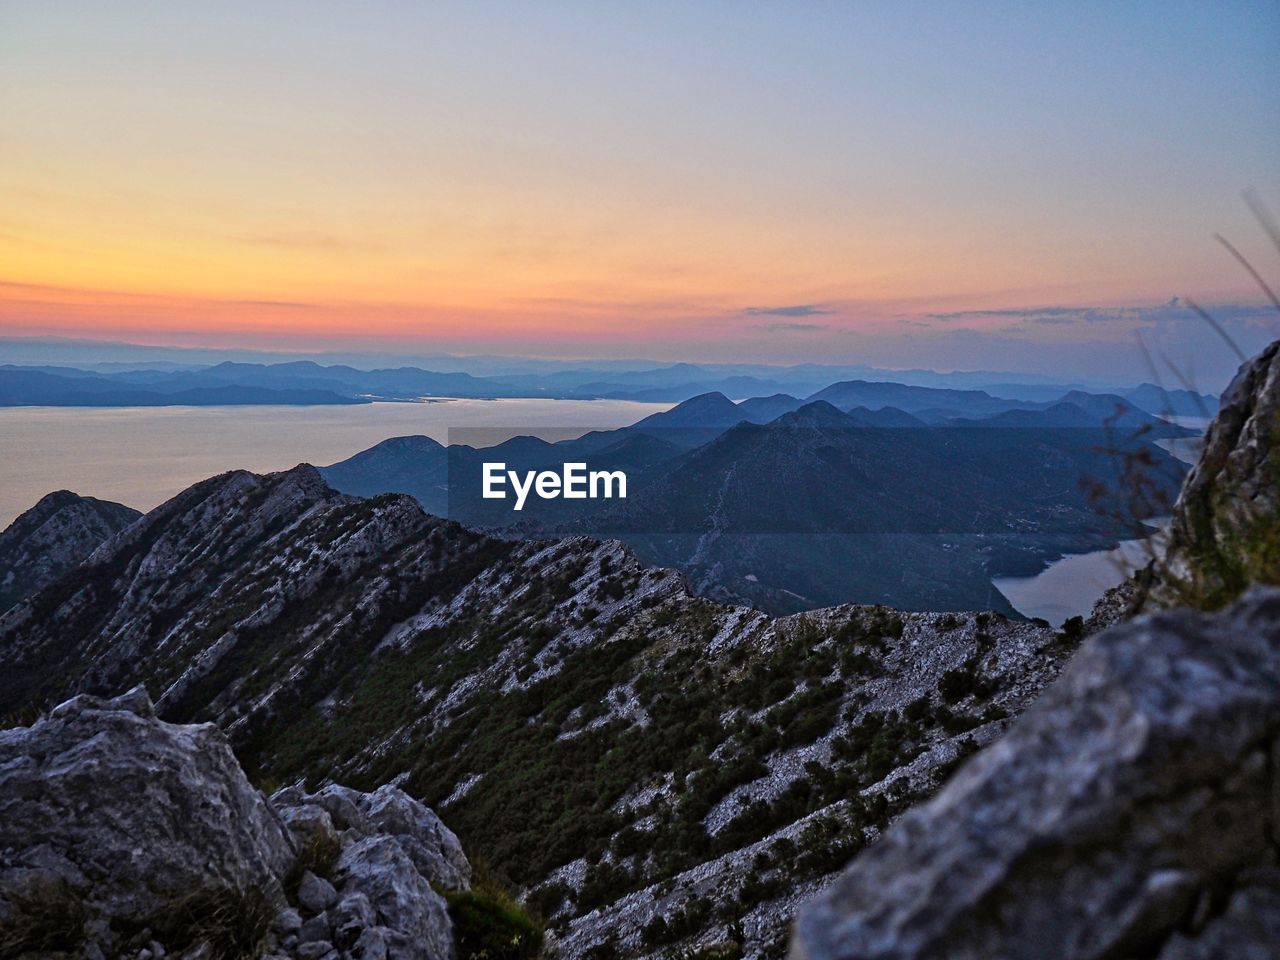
[955, 185]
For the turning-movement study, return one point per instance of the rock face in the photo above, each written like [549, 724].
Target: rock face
[394, 852]
[411, 919]
[1133, 811]
[1226, 528]
[1225, 531]
[143, 833]
[132, 813]
[51, 538]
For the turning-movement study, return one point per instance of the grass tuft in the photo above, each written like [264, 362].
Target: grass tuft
[317, 854]
[234, 923]
[46, 919]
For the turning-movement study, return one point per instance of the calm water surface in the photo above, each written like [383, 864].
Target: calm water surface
[141, 456]
[1071, 586]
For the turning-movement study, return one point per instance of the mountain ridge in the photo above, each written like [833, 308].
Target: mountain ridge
[52, 537]
[362, 640]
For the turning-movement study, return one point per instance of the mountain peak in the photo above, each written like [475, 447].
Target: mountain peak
[306, 476]
[711, 401]
[413, 444]
[58, 533]
[705, 410]
[819, 413]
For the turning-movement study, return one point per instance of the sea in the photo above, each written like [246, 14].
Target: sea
[1070, 586]
[142, 456]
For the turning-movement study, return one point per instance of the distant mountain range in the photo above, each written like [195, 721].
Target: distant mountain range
[790, 504]
[72, 388]
[309, 382]
[786, 502]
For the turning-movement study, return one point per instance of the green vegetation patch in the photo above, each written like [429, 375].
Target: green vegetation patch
[488, 924]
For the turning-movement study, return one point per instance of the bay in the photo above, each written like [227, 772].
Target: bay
[1070, 586]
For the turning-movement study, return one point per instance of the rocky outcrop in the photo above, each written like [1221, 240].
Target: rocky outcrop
[392, 855]
[432, 847]
[123, 835]
[51, 538]
[1225, 531]
[1226, 528]
[1133, 811]
[128, 595]
[129, 815]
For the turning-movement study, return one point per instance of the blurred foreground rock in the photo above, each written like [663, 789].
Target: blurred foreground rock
[1224, 534]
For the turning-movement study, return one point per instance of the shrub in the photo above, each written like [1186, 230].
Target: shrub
[548, 898]
[957, 684]
[604, 883]
[756, 889]
[489, 925]
[918, 709]
[655, 932]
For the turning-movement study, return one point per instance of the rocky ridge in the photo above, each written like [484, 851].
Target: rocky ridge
[1131, 812]
[52, 537]
[622, 751]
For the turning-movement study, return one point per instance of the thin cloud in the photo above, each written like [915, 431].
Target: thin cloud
[797, 310]
[275, 304]
[1063, 315]
[784, 327]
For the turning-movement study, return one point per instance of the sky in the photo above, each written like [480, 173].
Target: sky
[966, 185]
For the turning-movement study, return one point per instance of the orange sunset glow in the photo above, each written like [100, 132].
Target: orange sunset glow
[559, 183]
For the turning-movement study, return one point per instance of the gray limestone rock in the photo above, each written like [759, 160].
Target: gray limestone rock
[415, 917]
[130, 812]
[1140, 788]
[316, 893]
